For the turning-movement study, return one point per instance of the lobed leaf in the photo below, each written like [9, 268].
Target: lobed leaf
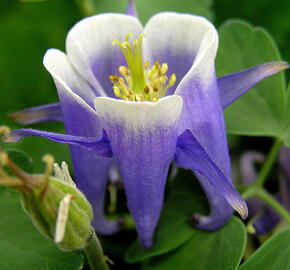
[260, 112]
[218, 250]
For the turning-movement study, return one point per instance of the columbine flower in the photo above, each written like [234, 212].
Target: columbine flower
[149, 98]
[264, 218]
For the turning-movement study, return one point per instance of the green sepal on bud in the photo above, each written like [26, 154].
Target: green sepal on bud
[45, 210]
[57, 208]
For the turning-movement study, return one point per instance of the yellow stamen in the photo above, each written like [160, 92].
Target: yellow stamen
[49, 160]
[138, 82]
[123, 71]
[172, 80]
[164, 68]
[146, 65]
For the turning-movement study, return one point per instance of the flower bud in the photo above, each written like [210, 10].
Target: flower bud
[57, 208]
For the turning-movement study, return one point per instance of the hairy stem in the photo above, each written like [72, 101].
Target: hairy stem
[94, 254]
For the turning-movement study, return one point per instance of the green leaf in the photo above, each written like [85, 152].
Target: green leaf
[276, 21]
[274, 254]
[185, 198]
[261, 110]
[148, 8]
[218, 250]
[23, 247]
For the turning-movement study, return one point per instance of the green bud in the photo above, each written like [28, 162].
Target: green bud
[44, 211]
[57, 208]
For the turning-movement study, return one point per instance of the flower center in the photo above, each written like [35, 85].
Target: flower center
[138, 82]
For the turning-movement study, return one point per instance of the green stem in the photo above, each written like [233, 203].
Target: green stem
[94, 254]
[267, 198]
[268, 164]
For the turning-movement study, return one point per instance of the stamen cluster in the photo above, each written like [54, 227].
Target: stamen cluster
[137, 82]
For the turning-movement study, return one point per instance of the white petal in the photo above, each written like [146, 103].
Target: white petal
[143, 138]
[180, 40]
[57, 64]
[89, 47]
[138, 116]
[79, 118]
[90, 170]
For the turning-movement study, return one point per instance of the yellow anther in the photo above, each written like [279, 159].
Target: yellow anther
[146, 90]
[123, 71]
[155, 88]
[114, 78]
[139, 82]
[172, 80]
[146, 65]
[164, 68]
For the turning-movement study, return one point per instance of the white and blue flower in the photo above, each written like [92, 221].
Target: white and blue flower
[150, 98]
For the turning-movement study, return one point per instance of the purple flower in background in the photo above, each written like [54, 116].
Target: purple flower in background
[264, 218]
[284, 170]
[248, 175]
[165, 104]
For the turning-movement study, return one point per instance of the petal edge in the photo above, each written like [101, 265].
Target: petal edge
[191, 155]
[232, 86]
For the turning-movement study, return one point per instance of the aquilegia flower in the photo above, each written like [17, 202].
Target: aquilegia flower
[264, 218]
[143, 97]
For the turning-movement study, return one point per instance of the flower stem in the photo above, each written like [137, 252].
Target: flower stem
[267, 198]
[94, 254]
[268, 164]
